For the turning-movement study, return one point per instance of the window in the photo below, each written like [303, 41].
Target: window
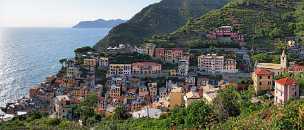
[260, 83]
[268, 77]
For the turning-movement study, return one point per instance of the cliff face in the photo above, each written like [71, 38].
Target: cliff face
[160, 18]
[100, 23]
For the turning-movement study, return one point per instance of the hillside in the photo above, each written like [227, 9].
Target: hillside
[260, 21]
[100, 23]
[159, 18]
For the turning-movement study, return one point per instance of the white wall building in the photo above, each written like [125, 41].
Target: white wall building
[215, 63]
[183, 67]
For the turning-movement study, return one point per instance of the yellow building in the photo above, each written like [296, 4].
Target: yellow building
[91, 62]
[176, 97]
[262, 80]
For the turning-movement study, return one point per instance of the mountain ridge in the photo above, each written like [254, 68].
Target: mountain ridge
[99, 23]
[159, 18]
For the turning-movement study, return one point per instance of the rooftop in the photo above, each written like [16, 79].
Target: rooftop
[63, 97]
[269, 66]
[177, 90]
[286, 81]
[261, 71]
[192, 94]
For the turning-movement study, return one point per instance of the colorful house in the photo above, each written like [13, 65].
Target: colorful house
[262, 80]
[285, 89]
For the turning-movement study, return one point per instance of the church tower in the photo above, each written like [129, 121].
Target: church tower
[283, 60]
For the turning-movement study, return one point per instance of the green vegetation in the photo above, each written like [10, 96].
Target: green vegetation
[261, 21]
[231, 110]
[136, 57]
[129, 59]
[159, 18]
[86, 110]
[84, 50]
[39, 121]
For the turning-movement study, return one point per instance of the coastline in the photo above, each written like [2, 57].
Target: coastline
[43, 65]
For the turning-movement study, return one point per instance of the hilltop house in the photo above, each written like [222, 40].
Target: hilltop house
[227, 32]
[262, 80]
[285, 89]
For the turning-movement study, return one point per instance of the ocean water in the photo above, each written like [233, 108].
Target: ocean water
[29, 55]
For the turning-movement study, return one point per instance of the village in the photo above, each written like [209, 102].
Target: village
[155, 80]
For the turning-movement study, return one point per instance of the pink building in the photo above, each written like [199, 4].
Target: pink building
[174, 55]
[159, 53]
[146, 68]
[296, 68]
[226, 31]
[285, 89]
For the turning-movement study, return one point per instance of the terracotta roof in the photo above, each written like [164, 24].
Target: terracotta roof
[286, 81]
[260, 71]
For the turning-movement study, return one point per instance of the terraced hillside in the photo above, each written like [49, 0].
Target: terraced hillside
[261, 21]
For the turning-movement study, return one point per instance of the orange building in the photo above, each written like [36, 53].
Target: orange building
[176, 97]
[262, 80]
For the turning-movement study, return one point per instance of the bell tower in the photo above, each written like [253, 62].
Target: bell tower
[283, 60]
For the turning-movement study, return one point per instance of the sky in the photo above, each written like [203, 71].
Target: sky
[65, 13]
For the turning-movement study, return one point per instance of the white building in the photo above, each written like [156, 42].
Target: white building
[103, 62]
[147, 112]
[72, 72]
[215, 63]
[285, 89]
[120, 70]
[183, 67]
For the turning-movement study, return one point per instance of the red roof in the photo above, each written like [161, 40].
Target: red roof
[286, 81]
[260, 71]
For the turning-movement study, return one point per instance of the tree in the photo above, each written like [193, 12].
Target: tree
[62, 61]
[227, 103]
[120, 113]
[292, 116]
[281, 45]
[199, 115]
[177, 115]
[262, 57]
[86, 110]
[84, 49]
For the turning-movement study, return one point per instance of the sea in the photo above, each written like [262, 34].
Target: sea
[29, 55]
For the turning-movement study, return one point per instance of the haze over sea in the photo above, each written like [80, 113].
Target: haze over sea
[29, 55]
